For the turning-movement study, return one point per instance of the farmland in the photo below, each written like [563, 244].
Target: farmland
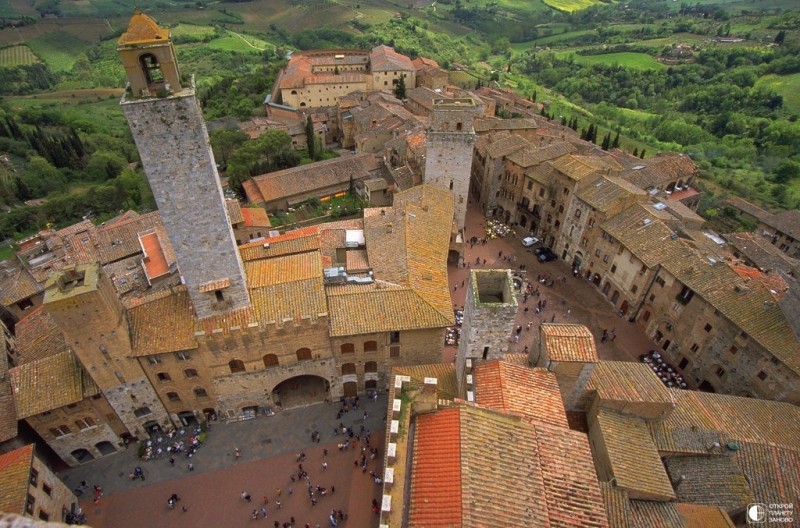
[571, 5]
[639, 61]
[787, 86]
[17, 56]
[58, 49]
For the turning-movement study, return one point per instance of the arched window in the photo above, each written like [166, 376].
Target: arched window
[271, 360]
[371, 346]
[348, 348]
[236, 365]
[303, 354]
[371, 366]
[151, 68]
[348, 368]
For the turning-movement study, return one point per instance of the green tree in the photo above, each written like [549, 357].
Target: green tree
[311, 143]
[41, 178]
[105, 165]
[225, 141]
[400, 88]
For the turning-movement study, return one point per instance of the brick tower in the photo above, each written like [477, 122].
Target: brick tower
[84, 304]
[448, 161]
[171, 136]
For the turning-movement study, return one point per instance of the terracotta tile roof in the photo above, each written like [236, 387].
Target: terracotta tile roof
[568, 342]
[46, 384]
[773, 472]
[15, 474]
[38, 336]
[761, 252]
[748, 208]
[384, 58]
[710, 480]
[611, 194]
[234, 211]
[161, 323]
[699, 419]
[661, 170]
[787, 222]
[290, 300]
[297, 181]
[287, 268]
[774, 282]
[154, 261]
[80, 227]
[578, 167]
[499, 145]
[749, 306]
[535, 154]
[217, 284]
[487, 124]
[531, 393]
[701, 516]
[617, 505]
[571, 489]
[255, 217]
[120, 239]
[81, 247]
[651, 514]
[297, 241]
[640, 230]
[17, 284]
[628, 381]
[436, 480]
[357, 261]
[8, 412]
[633, 458]
[142, 29]
[423, 96]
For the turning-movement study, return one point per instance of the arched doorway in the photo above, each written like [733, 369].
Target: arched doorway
[188, 418]
[152, 428]
[523, 221]
[82, 456]
[300, 390]
[615, 297]
[350, 388]
[624, 307]
[596, 279]
[705, 386]
[577, 261]
[210, 414]
[105, 447]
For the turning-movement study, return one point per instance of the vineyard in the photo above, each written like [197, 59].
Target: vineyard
[17, 56]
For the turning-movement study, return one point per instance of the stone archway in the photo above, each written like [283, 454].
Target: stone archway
[300, 390]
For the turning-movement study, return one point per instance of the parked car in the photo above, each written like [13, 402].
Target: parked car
[529, 241]
[546, 255]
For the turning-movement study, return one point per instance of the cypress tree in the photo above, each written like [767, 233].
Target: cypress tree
[311, 144]
[594, 135]
[641, 156]
[563, 121]
[606, 141]
[636, 151]
[615, 143]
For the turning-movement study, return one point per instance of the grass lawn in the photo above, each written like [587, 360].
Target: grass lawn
[639, 61]
[103, 115]
[17, 56]
[243, 44]
[552, 39]
[571, 5]
[191, 30]
[786, 85]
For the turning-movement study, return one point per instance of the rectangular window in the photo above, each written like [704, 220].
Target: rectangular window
[652, 297]
[200, 393]
[394, 351]
[183, 356]
[530, 185]
[47, 489]
[695, 347]
[660, 282]
[733, 349]
[30, 502]
[774, 360]
[43, 515]
[591, 223]
[707, 327]
[34, 479]
[153, 360]
[613, 268]
[605, 259]
[719, 372]
[394, 337]
[762, 375]
[597, 253]
[634, 289]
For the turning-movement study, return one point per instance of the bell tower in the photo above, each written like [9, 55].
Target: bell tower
[170, 134]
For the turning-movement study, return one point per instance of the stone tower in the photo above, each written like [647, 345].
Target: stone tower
[84, 304]
[171, 136]
[489, 312]
[449, 145]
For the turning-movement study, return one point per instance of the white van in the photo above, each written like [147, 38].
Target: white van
[529, 241]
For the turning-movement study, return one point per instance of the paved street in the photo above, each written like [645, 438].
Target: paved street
[268, 447]
[584, 301]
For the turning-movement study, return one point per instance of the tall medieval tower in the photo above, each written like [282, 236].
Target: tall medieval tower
[171, 136]
[448, 161]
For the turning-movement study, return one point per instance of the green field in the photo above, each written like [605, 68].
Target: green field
[58, 49]
[786, 85]
[241, 44]
[571, 5]
[191, 30]
[17, 56]
[101, 116]
[639, 61]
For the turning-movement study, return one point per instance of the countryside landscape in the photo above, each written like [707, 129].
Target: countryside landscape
[716, 80]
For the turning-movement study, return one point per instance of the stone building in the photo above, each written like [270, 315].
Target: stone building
[781, 229]
[248, 223]
[449, 150]
[173, 143]
[489, 312]
[30, 489]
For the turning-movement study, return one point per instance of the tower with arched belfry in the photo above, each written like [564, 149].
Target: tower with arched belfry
[171, 136]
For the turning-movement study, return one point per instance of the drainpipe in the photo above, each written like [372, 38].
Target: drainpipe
[646, 293]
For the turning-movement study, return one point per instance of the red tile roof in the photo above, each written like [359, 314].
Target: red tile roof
[15, 471]
[436, 474]
[154, 261]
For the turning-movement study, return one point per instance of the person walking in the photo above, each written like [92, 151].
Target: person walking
[237, 453]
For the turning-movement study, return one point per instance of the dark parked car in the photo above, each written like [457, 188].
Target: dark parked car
[545, 254]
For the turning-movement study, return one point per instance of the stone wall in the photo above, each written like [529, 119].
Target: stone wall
[173, 143]
[56, 503]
